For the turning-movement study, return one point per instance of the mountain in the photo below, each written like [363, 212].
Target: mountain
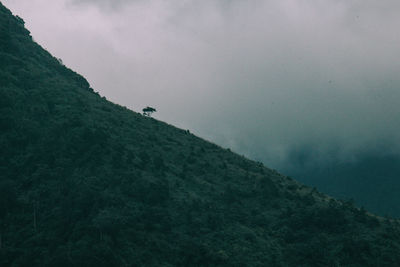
[372, 180]
[85, 182]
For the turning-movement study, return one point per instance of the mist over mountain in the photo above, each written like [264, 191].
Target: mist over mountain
[85, 182]
[370, 179]
[288, 74]
[274, 80]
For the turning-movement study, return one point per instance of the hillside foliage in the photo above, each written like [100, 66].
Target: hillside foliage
[85, 182]
[372, 180]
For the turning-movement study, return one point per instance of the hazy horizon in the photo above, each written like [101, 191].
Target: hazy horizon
[264, 78]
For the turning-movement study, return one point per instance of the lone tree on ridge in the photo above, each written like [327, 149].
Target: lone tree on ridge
[147, 111]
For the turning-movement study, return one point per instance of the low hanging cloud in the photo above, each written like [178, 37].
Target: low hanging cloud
[262, 77]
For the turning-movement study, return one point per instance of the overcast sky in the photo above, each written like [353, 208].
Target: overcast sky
[261, 77]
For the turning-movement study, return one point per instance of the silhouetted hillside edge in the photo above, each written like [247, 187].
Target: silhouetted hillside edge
[85, 182]
[372, 180]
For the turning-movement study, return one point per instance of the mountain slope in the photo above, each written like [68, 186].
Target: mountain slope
[84, 182]
[372, 180]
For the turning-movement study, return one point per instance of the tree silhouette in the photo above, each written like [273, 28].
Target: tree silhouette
[147, 111]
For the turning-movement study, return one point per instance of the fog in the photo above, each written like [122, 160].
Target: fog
[264, 78]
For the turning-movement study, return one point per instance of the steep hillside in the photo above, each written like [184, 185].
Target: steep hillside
[85, 182]
[372, 180]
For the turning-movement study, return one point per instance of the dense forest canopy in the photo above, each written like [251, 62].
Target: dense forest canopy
[85, 182]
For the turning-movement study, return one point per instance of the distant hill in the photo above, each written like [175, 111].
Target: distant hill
[372, 180]
[85, 182]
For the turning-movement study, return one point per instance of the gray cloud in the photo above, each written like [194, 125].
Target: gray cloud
[108, 5]
[262, 77]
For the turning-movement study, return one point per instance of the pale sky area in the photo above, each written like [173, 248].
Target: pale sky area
[260, 77]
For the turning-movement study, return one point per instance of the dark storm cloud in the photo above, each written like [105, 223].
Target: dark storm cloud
[262, 77]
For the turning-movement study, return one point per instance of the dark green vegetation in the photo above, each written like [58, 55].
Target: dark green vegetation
[372, 180]
[84, 182]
